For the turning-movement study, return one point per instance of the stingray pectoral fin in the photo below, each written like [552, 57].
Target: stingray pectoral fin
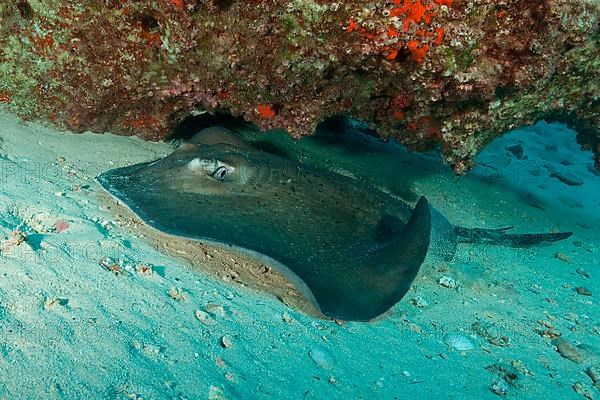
[381, 278]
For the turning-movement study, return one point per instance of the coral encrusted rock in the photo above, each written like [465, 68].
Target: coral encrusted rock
[447, 73]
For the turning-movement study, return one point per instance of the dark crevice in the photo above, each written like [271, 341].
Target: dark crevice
[502, 92]
[148, 22]
[223, 5]
[25, 10]
[191, 125]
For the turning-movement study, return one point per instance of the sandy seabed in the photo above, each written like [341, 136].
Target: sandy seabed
[92, 307]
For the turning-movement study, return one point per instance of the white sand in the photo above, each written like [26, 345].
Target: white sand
[69, 329]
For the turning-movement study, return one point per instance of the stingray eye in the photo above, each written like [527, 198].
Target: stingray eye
[220, 173]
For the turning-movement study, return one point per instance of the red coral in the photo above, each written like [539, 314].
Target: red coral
[415, 17]
[417, 53]
[440, 35]
[392, 54]
[265, 111]
[352, 25]
[179, 4]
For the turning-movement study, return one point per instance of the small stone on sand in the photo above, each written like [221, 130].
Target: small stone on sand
[582, 290]
[500, 388]
[177, 294]
[567, 178]
[216, 310]
[567, 350]
[583, 390]
[226, 342]
[215, 393]
[447, 282]
[321, 356]
[287, 318]
[583, 272]
[205, 318]
[459, 342]
[419, 302]
[594, 373]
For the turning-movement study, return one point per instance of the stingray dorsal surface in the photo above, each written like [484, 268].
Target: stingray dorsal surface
[317, 225]
[217, 135]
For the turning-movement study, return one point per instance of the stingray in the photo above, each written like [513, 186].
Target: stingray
[349, 247]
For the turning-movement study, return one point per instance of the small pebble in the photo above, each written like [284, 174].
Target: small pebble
[205, 318]
[567, 350]
[459, 342]
[535, 288]
[582, 290]
[229, 295]
[286, 318]
[230, 376]
[419, 302]
[226, 342]
[215, 310]
[447, 282]
[321, 356]
[105, 224]
[583, 390]
[215, 393]
[567, 178]
[492, 333]
[415, 328]
[317, 325]
[583, 272]
[500, 388]
[521, 368]
[594, 373]
[507, 372]
[177, 294]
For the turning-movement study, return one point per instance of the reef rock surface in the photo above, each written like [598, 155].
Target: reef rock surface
[447, 73]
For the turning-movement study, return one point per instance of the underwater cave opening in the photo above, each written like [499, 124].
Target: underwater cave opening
[194, 123]
[338, 130]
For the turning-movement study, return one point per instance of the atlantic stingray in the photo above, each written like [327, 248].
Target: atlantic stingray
[352, 249]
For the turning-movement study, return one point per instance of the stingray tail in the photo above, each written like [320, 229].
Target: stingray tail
[500, 236]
